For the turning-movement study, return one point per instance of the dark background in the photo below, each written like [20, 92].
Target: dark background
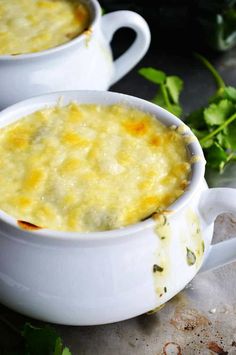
[176, 34]
[185, 23]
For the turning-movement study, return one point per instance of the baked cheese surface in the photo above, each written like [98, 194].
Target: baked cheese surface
[90, 167]
[28, 26]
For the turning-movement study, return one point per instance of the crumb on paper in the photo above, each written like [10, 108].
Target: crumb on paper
[189, 286]
[212, 311]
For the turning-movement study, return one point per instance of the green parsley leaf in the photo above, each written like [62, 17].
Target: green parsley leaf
[153, 75]
[191, 257]
[208, 143]
[216, 156]
[216, 114]
[159, 99]
[58, 347]
[176, 110]
[228, 93]
[196, 120]
[222, 138]
[222, 128]
[201, 134]
[231, 136]
[44, 341]
[39, 340]
[169, 89]
[174, 86]
[214, 125]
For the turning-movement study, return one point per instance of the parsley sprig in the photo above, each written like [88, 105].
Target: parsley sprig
[39, 341]
[214, 125]
[36, 340]
[170, 87]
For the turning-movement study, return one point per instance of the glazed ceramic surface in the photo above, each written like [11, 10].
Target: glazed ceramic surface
[104, 277]
[83, 63]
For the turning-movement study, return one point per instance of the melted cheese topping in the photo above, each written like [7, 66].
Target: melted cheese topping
[34, 25]
[89, 167]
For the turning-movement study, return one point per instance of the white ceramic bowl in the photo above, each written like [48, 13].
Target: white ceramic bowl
[103, 277]
[85, 62]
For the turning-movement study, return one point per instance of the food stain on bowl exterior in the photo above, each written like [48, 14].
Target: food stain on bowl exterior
[155, 310]
[193, 242]
[191, 257]
[88, 36]
[191, 247]
[161, 269]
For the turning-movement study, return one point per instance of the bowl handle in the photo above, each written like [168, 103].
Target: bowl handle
[115, 20]
[214, 202]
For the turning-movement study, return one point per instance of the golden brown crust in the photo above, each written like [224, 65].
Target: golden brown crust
[28, 226]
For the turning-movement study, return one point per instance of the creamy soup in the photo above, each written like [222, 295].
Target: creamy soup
[34, 25]
[90, 167]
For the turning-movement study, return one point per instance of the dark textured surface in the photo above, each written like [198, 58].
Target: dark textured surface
[198, 82]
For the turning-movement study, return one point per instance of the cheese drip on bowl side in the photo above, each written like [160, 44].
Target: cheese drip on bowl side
[90, 167]
[28, 26]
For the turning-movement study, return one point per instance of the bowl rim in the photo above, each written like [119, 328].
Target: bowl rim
[96, 11]
[22, 108]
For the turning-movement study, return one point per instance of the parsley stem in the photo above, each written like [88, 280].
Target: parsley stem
[165, 96]
[213, 71]
[217, 130]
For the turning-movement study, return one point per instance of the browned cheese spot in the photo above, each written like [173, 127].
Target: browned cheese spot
[136, 128]
[27, 225]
